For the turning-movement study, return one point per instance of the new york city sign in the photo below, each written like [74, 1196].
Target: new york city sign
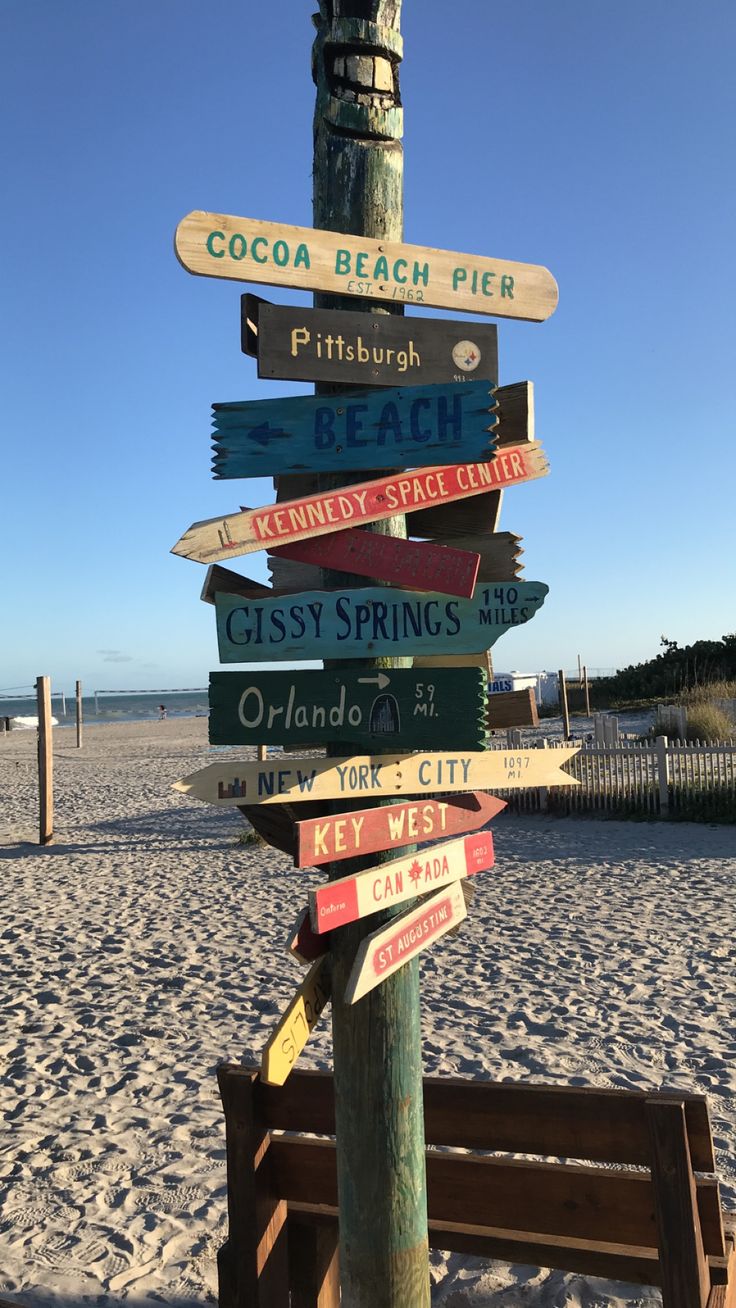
[368, 623]
[396, 707]
[410, 426]
[277, 254]
[361, 776]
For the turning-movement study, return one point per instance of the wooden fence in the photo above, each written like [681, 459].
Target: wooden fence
[695, 782]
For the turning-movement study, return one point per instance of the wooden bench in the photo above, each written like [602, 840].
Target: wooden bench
[659, 1225]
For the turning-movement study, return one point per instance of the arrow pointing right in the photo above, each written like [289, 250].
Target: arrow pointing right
[382, 681]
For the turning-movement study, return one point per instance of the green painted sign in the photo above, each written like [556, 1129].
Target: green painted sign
[354, 624]
[413, 708]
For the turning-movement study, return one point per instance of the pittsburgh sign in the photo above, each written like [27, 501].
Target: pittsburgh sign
[240, 782]
[216, 539]
[353, 897]
[409, 426]
[274, 254]
[366, 831]
[369, 623]
[397, 707]
[381, 350]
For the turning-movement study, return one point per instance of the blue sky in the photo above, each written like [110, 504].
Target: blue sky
[594, 137]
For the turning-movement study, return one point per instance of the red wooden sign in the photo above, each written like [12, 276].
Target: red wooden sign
[387, 949]
[370, 501]
[304, 943]
[366, 831]
[417, 564]
[350, 898]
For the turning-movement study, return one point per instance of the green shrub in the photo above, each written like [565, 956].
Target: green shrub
[708, 722]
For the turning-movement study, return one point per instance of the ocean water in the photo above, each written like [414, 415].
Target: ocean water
[113, 708]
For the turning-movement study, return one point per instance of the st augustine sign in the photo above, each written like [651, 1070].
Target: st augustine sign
[361, 776]
[387, 949]
[216, 539]
[395, 707]
[371, 622]
[277, 254]
[353, 897]
[412, 426]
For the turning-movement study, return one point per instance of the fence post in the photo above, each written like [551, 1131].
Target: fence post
[543, 790]
[79, 715]
[563, 705]
[586, 688]
[663, 775]
[45, 762]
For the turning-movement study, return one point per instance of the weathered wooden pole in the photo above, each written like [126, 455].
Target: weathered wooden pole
[45, 762]
[358, 188]
[79, 713]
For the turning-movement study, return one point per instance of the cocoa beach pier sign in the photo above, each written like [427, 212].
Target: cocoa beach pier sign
[277, 254]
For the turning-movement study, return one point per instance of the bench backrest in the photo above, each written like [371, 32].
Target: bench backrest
[596, 1125]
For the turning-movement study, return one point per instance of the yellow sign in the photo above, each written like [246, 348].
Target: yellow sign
[291, 779]
[295, 1027]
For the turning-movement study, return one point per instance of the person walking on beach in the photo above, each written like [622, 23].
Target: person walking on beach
[161, 712]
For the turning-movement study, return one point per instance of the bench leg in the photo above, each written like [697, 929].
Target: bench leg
[314, 1270]
[252, 1265]
[683, 1264]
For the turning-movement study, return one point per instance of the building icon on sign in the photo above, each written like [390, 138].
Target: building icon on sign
[385, 719]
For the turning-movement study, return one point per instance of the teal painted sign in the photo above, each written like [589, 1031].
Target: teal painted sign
[367, 623]
[411, 708]
[408, 427]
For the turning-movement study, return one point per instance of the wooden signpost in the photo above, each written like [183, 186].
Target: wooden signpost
[277, 254]
[296, 1024]
[398, 707]
[334, 345]
[352, 897]
[221, 538]
[362, 776]
[390, 947]
[409, 426]
[331, 838]
[371, 622]
[415, 564]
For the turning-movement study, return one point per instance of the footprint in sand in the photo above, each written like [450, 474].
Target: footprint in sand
[174, 1199]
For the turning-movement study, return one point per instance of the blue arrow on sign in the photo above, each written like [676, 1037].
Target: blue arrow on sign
[408, 426]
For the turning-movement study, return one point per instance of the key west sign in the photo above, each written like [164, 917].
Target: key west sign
[277, 254]
[371, 622]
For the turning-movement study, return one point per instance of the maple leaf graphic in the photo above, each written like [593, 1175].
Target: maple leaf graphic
[415, 872]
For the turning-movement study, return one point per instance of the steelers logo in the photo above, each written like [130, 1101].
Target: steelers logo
[466, 355]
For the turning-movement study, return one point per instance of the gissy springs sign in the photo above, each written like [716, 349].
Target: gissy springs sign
[360, 623]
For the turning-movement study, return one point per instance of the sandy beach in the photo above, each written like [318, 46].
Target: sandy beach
[146, 945]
